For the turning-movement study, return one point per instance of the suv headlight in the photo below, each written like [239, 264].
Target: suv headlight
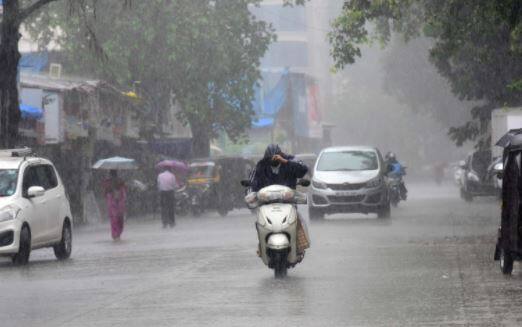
[376, 182]
[9, 213]
[319, 185]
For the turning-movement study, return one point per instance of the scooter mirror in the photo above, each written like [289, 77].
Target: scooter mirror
[246, 183]
[304, 182]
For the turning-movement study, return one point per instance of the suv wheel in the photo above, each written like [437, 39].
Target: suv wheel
[315, 214]
[384, 211]
[63, 249]
[24, 250]
[506, 262]
[466, 196]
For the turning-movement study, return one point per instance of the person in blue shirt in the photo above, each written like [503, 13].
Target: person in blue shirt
[397, 170]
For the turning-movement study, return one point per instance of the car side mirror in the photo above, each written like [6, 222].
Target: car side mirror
[35, 191]
[246, 183]
[304, 182]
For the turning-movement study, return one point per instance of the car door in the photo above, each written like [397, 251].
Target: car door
[35, 209]
[54, 196]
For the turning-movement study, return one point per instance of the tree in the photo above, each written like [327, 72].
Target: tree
[14, 15]
[205, 54]
[16, 12]
[477, 47]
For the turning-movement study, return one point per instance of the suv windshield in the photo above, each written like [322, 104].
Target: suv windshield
[348, 161]
[8, 178]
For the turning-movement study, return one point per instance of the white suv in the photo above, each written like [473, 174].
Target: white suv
[349, 179]
[34, 210]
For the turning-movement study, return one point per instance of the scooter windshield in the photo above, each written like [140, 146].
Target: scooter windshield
[275, 194]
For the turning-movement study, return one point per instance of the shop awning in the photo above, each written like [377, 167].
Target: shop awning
[30, 112]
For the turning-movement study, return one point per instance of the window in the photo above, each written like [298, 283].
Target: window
[348, 161]
[41, 175]
[8, 179]
[30, 179]
[47, 176]
[51, 176]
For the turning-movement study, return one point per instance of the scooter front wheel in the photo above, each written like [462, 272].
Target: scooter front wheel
[279, 262]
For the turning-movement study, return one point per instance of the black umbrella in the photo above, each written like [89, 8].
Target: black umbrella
[511, 138]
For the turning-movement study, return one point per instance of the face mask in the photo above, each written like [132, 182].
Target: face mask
[275, 169]
[274, 163]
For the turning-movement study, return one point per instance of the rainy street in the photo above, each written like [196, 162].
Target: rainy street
[430, 264]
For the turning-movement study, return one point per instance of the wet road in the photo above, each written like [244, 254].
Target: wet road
[429, 265]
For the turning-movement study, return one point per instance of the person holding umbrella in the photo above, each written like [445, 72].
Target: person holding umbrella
[167, 186]
[115, 192]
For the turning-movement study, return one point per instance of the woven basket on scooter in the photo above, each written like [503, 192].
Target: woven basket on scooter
[302, 240]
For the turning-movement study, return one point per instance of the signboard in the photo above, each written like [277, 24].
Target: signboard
[53, 118]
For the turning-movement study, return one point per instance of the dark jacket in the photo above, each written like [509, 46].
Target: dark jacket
[288, 174]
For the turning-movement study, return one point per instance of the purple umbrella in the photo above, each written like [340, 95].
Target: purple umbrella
[176, 165]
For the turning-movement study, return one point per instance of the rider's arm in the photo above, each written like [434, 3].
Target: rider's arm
[298, 168]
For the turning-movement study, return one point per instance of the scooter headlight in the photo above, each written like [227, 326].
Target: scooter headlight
[9, 213]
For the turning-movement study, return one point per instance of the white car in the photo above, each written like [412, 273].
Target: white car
[34, 210]
[350, 179]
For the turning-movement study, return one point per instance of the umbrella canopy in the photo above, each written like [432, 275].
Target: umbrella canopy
[176, 165]
[115, 163]
[513, 138]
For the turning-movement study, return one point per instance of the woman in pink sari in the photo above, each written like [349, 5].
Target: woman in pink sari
[115, 195]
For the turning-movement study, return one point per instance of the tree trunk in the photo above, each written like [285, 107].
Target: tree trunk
[200, 140]
[9, 57]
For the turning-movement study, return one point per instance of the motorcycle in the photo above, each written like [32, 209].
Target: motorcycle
[395, 190]
[182, 201]
[276, 224]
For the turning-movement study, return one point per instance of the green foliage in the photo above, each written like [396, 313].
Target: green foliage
[204, 53]
[477, 46]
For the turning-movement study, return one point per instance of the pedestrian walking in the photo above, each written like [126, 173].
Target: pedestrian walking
[115, 196]
[167, 187]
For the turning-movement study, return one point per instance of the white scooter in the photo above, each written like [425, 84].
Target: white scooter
[277, 224]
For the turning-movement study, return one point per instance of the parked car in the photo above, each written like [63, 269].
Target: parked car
[34, 210]
[509, 243]
[476, 180]
[349, 180]
[494, 173]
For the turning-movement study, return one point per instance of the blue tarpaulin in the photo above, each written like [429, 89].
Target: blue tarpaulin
[30, 112]
[267, 107]
[33, 62]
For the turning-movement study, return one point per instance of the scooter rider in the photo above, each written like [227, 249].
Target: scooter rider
[278, 168]
[395, 168]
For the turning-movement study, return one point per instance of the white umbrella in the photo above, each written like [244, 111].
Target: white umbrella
[115, 163]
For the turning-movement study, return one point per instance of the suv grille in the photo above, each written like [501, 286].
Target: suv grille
[346, 199]
[346, 186]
